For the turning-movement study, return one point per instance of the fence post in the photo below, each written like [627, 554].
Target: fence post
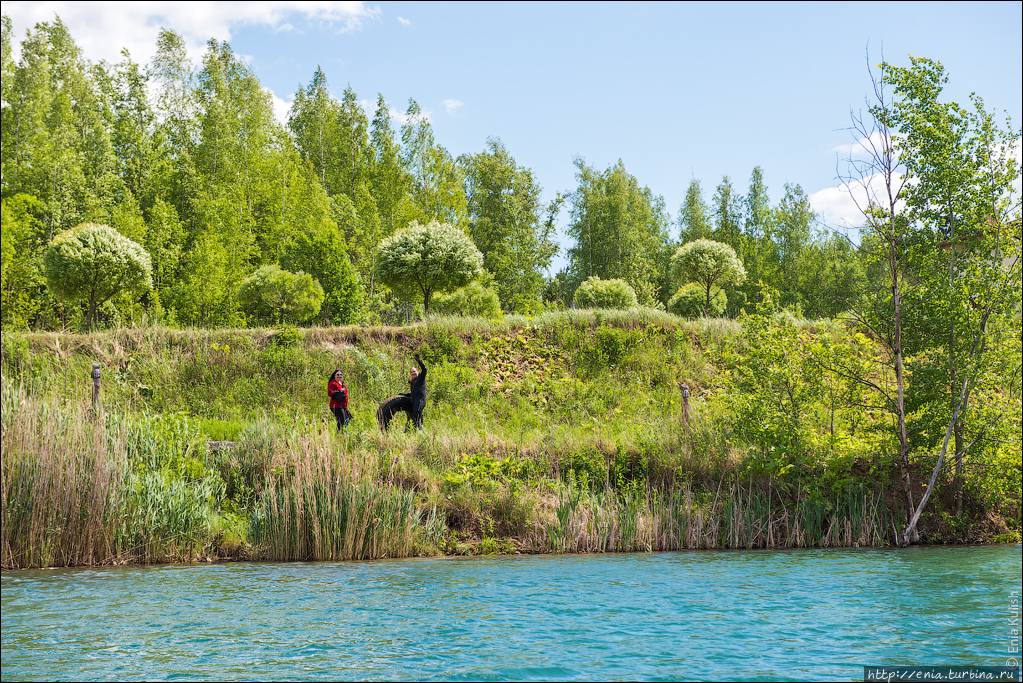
[95, 387]
[684, 388]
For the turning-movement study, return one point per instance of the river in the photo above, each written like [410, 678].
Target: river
[712, 615]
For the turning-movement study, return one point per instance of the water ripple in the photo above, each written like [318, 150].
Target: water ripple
[752, 615]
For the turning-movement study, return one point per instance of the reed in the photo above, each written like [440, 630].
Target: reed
[743, 516]
[323, 501]
[85, 489]
[61, 479]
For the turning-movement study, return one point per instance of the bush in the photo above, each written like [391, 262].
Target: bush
[689, 299]
[472, 300]
[597, 293]
[272, 294]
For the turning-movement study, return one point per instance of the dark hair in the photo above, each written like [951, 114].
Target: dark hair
[331, 378]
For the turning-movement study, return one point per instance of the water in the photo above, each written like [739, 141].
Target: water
[751, 615]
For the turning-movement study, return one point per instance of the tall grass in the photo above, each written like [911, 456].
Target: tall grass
[580, 520]
[61, 483]
[85, 489]
[323, 502]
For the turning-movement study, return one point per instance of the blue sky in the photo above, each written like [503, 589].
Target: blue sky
[675, 91]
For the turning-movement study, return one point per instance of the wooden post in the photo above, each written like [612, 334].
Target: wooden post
[684, 388]
[95, 387]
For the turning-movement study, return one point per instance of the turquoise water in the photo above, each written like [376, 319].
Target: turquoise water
[749, 615]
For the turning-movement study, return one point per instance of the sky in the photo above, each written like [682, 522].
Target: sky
[674, 90]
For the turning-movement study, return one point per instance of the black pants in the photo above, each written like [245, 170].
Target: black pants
[342, 416]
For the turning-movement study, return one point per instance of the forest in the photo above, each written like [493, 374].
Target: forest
[191, 164]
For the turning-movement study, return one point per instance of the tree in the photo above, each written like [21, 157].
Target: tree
[875, 181]
[728, 206]
[757, 225]
[423, 259]
[620, 230]
[507, 223]
[92, 263]
[708, 263]
[321, 254]
[693, 215]
[597, 293]
[278, 295]
[964, 251]
[791, 231]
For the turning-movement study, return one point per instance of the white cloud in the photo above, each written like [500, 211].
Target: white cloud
[840, 208]
[836, 208]
[404, 22]
[281, 107]
[102, 29]
[452, 106]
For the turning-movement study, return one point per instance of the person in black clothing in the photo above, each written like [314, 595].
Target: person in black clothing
[417, 392]
[412, 403]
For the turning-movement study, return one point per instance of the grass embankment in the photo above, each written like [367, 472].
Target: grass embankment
[559, 434]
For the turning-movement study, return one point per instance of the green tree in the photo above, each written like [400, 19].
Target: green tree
[693, 215]
[709, 263]
[280, 296]
[792, 232]
[756, 227]
[92, 263]
[507, 223]
[964, 250]
[321, 254]
[620, 230]
[423, 259]
[728, 209]
[312, 119]
[437, 186]
[57, 144]
[390, 182]
[24, 241]
[833, 277]
[876, 181]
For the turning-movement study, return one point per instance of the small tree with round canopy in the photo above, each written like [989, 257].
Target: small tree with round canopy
[92, 263]
[423, 259]
[709, 263]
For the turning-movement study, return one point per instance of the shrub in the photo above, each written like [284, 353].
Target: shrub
[272, 294]
[472, 300]
[689, 300]
[597, 293]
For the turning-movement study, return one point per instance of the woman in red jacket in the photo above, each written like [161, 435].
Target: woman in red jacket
[338, 393]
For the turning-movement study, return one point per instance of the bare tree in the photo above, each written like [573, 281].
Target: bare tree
[875, 181]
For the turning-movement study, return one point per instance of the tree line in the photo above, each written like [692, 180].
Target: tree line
[189, 162]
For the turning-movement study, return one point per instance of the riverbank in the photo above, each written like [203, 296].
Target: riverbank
[563, 433]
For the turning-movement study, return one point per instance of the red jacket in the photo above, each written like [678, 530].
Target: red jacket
[334, 386]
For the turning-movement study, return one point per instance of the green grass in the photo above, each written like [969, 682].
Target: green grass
[557, 433]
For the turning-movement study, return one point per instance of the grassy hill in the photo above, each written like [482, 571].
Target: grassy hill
[562, 433]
